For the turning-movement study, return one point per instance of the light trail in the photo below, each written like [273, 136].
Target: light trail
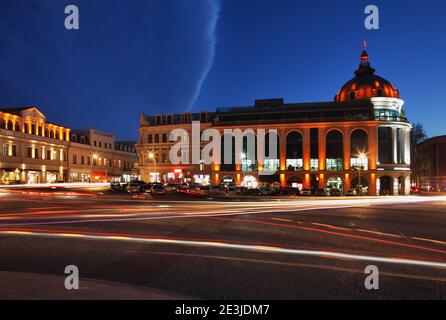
[334, 233]
[226, 245]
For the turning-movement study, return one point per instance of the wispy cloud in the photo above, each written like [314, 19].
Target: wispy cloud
[211, 29]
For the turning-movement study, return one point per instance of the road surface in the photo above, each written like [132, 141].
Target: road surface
[272, 249]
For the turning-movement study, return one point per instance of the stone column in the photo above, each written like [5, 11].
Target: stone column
[282, 149]
[306, 147]
[346, 182]
[394, 147]
[322, 149]
[321, 181]
[347, 151]
[407, 185]
[395, 186]
[307, 181]
[373, 147]
[407, 146]
[373, 185]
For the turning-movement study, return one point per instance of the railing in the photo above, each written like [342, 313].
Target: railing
[22, 135]
[309, 120]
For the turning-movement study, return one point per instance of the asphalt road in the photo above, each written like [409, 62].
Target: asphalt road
[282, 249]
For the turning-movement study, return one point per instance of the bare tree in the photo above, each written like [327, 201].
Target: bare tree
[417, 135]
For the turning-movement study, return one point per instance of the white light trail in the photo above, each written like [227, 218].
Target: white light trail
[241, 247]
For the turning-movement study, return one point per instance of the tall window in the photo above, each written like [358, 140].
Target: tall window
[335, 151]
[359, 149]
[271, 162]
[314, 149]
[294, 151]
[249, 153]
[385, 145]
[227, 153]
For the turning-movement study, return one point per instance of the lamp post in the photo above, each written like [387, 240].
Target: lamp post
[152, 157]
[361, 157]
[94, 157]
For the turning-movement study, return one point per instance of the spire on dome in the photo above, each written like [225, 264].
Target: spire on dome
[364, 66]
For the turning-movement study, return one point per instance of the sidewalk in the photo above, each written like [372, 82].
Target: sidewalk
[33, 286]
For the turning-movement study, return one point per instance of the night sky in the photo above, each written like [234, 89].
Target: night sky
[160, 56]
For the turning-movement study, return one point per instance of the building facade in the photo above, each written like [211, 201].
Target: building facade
[95, 156]
[361, 138]
[432, 163]
[32, 149]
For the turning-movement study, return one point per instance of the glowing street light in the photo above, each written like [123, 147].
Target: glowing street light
[95, 156]
[152, 157]
[362, 158]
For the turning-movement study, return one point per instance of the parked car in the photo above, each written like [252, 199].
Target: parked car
[172, 187]
[214, 190]
[335, 192]
[414, 190]
[294, 191]
[252, 192]
[137, 187]
[351, 193]
[115, 186]
[306, 192]
[263, 191]
[157, 189]
[205, 190]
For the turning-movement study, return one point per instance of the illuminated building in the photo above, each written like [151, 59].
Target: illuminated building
[432, 164]
[32, 150]
[97, 157]
[359, 138]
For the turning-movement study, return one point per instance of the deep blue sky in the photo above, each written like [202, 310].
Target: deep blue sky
[159, 56]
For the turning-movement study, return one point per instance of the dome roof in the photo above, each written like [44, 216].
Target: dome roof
[366, 84]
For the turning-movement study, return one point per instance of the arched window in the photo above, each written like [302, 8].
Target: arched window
[272, 152]
[2, 124]
[335, 151]
[352, 95]
[385, 145]
[359, 149]
[379, 92]
[10, 125]
[227, 152]
[294, 151]
[248, 156]
[17, 126]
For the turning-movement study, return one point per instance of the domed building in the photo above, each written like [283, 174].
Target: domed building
[356, 144]
[366, 84]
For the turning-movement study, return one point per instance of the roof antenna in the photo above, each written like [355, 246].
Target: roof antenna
[364, 44]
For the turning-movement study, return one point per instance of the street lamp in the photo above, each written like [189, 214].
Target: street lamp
[361, 159]
[152, 157]
[94, 157]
